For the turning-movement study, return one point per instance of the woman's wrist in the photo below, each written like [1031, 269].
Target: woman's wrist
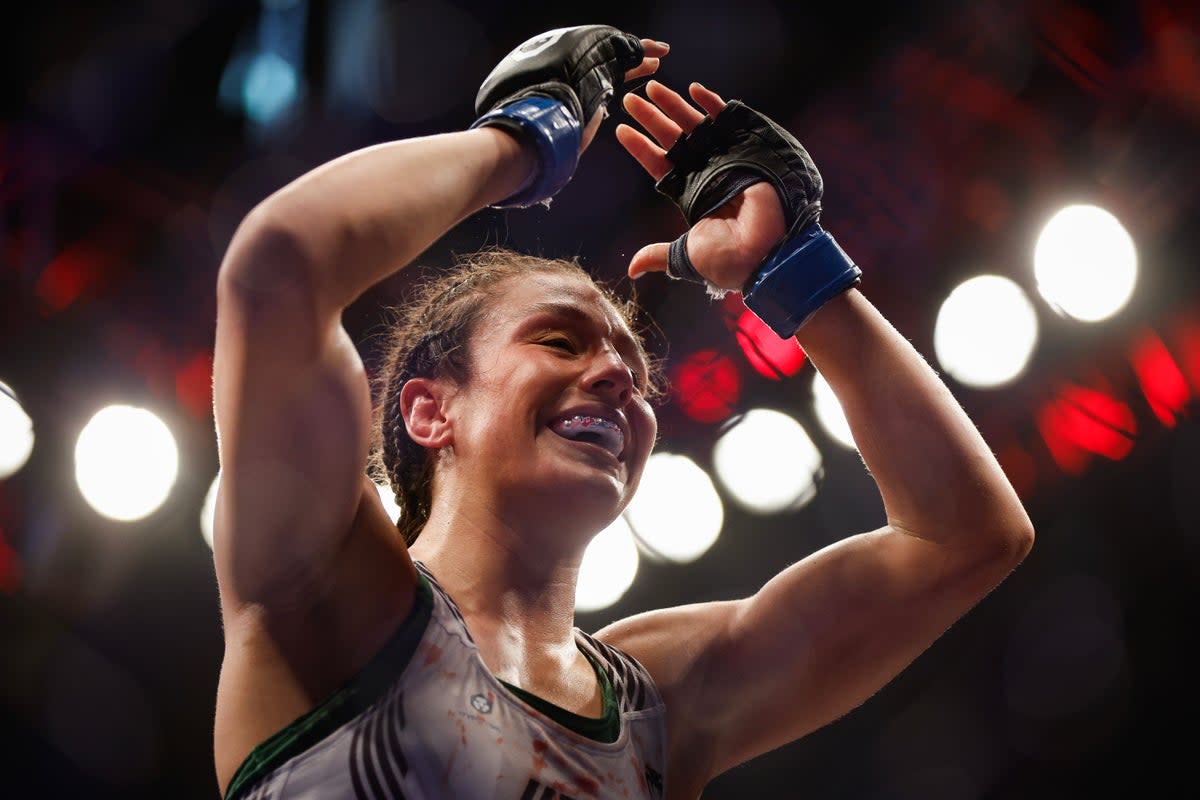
[516, 162]
[553, 131]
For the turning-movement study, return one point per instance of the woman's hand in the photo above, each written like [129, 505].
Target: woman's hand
[728, 244]
[652, 52]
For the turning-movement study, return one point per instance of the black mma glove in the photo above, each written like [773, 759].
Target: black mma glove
[719, 159]
[546, 91]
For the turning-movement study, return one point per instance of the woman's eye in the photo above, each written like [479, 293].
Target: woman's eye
[560, 343]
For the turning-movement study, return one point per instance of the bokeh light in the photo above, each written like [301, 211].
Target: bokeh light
[985, 331]
[767, 462]
[208, 510]
[1081, 422]
[829, 412]
[677, 514]
[609, 566]
[1085, 263]
[125, 462]
[771, 356]
[707, 386]
[269, 88]
[16, 433]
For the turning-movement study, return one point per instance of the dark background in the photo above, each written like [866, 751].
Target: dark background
[947, 134]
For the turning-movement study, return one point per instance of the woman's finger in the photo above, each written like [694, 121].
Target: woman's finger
[648, 67]
[652, 157]
[706, 98]
[651, 258]
[652, 51]
[656, 123]
[681, 112]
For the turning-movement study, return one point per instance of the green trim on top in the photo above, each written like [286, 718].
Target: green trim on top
[350, 700]
[605, 728]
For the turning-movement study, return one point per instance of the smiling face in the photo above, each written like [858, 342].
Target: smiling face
[553, 420]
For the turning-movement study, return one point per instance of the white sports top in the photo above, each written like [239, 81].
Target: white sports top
[426, 719]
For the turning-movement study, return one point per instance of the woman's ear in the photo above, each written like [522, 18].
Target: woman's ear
[422, 405]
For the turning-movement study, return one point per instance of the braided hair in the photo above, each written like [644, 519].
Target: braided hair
[430, 338]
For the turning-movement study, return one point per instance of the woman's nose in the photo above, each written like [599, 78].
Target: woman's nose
[611, 375]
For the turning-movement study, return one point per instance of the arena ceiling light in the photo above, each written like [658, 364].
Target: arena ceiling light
[1085, 263]
[16, 433]
[126, 461]
[985, 331]
[830, 413]
[676, 514]
[767, 462]
[609, 566]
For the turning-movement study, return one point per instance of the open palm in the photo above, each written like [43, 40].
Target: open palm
[728, 244]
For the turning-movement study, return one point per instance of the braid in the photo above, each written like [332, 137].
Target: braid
[408, 470]
[430, 339]
[407, 466]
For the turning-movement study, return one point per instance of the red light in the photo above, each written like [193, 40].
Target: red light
[707, 386]
[193, 385]
[1083, 422]
[1161, 379]
[769, 355]
[67, 276]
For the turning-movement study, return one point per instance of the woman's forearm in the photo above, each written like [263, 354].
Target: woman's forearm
[357, 219]
[937, 476]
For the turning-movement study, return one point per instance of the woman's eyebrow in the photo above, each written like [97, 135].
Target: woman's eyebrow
[560, 309]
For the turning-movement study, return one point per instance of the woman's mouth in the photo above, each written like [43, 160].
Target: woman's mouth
[595, 430]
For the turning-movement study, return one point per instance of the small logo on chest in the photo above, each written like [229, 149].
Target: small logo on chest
[482, 703]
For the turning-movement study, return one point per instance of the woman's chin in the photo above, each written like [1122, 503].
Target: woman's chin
[589, 503]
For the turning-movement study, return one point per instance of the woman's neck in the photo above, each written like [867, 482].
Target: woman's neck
[519, 585]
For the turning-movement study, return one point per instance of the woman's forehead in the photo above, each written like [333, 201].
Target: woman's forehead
[547, 292]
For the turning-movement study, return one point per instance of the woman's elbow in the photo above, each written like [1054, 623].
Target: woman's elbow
[266, 256]
[1022, 536]
[1010, 540]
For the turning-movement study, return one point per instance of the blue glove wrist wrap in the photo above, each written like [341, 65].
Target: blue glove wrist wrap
[556, 134]
[802, 274]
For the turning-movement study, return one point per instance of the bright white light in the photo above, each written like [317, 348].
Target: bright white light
[830, 413]
[1085, 263]
[767, 462]
[208, 511]
[985, 331]
[125, 462]
[677, 513]
[16, 433]
[609, 566]
[389, 502]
